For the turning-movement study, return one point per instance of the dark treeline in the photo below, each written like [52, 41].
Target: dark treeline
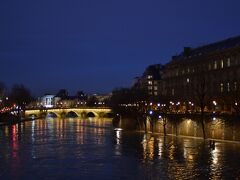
[18, 95]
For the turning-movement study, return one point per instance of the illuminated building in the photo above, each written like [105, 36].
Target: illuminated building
[48, 101]
[150, 80]
[213, 69]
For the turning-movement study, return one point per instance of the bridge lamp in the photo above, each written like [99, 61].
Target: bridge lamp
[158, 104]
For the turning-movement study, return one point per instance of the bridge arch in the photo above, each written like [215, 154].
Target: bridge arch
[63, 112]
[91, 114]
[32, 115]
[51, 115]
[71, 114]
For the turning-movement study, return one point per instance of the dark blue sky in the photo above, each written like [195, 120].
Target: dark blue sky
[97, 45]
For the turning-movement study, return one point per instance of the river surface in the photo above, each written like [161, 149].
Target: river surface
[92, 149]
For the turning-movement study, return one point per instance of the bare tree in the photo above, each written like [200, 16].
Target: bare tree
[2, 90]
[165, 109]
[200, 92]
[235, 98]
[20, 96]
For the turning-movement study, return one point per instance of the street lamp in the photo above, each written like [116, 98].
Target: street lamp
[214, 103]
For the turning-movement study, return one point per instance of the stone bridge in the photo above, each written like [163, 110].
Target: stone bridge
[69, 112]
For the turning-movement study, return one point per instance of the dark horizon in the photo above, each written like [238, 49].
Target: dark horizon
[97, 46]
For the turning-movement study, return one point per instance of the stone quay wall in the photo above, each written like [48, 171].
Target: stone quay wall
[216, 127]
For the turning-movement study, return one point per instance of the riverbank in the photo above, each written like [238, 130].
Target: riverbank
[220, 128]
[188, 137]
[9, 119]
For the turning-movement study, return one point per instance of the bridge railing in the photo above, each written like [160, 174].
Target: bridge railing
[85, 107]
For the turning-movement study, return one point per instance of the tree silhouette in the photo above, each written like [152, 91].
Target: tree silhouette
[2, 94]
[92, 101]
[20, 96]
[2, 90]
[81, 96]
[62, 93]
[201, 98]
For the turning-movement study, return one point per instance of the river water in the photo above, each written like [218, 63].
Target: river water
[93, 149]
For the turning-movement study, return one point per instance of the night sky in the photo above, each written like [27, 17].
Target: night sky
[97, 45]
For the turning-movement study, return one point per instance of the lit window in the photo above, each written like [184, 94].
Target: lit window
[155, 88]
[209, 67]
[149, 76]
[221, 87]
[188, 80]
[150, 82]
[150, 87]
[228, 62]
[215, 64]
[235, 86]
[155, 93]
[228, 87]
[222, 64]
[188, 70]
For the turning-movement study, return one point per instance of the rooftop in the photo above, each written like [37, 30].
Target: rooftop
[213, 47]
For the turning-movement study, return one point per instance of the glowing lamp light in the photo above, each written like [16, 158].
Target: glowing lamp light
[158, 104]
[159, 117]
[214, 103]
[151, 112]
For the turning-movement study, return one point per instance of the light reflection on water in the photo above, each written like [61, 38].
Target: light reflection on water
[75, 148]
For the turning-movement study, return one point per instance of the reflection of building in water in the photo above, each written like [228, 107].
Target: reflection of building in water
[215, 155]
[160, 148]
[15, 140]
[148, 147]
[216, 162]
[118, 134]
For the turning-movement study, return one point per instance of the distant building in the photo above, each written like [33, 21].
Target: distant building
[48, 101]
[151, 80]
[101, 99]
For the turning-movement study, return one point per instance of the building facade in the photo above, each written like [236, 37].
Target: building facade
[150, 80]
[209, 73]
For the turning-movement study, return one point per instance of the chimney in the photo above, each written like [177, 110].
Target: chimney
[186, 51]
